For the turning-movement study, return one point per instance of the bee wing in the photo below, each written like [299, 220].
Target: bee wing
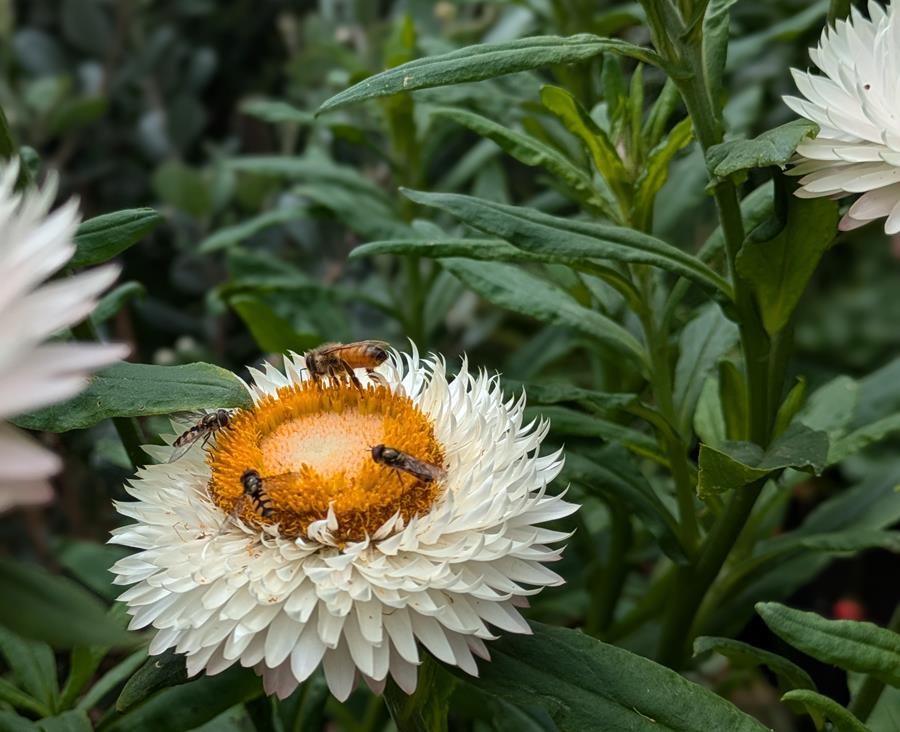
[180, 452]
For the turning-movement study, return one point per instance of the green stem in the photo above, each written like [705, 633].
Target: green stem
[650, 603]
[870, 691]
[605, 593]
[415, 320]
[693, 582]
[661, 382]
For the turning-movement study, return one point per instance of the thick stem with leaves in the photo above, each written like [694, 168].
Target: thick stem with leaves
[684, 51]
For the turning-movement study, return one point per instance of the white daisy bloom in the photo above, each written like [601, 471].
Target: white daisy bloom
[857, 107]
[34, 244]
[341, 560]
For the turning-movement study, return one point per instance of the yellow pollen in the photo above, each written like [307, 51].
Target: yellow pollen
[311, 446]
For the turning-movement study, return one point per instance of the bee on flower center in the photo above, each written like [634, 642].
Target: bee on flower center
[338, 360]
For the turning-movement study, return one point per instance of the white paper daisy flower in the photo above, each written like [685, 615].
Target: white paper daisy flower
[34, 244]
[344, 561]
[857, 107]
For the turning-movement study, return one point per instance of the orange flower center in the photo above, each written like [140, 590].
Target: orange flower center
[310, 445]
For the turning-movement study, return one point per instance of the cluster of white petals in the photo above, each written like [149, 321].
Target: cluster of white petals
[857, 107]
[34, 244]
[224, 593]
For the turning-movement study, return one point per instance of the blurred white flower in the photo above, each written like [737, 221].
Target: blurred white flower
[34, 244]
[857, 107]
[346, 562]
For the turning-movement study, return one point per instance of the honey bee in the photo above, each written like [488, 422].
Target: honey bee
[257, 490]
[206, 426]
[393, 458]
[337, 360]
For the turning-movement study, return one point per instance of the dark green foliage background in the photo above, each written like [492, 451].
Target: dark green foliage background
[277, 230]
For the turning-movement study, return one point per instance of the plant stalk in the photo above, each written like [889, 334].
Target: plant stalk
[694, 581]
[605, 594]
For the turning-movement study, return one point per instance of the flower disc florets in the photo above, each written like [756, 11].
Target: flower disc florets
[353, 563]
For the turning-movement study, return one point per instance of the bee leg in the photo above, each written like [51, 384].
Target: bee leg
[352, 376]
[377, 379]
[399, 479]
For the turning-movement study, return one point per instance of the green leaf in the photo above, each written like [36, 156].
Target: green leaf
[71, 721]
[737, 464]
[158, 672]
[136, 389]
[542, 233]
[587, 685]
[11, 722]
[565, 421]
[613, 471]
[87, 26]
[33, 667]
[276, 111]
[789, 674]
[531, 151]
[231, 235]
[514, 289]
[54, 609]
[578, 121]
[819, 705]
[715, 42]
[103, 237]
[113, 301]
[774, 147]
[553, 393]
[485, 61]
[17, 698]
[849, 644]
[118, 674]
[183, 187]
[791, 405]
[272, 333]
[83, 663]
[774, 553]
[184, 707]
[656, 171]
[779, 270]
[863, 437]
[89, 563]
[703, 342]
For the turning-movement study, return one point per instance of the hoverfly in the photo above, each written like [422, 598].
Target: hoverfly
[337, 360]
[206, 426]
[392, 458]
[257, 489]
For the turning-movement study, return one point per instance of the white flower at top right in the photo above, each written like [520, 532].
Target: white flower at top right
[857, 107]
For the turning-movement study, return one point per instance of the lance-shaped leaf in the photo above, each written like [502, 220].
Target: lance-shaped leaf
[615, 472]
[531, 151]
[849, 644]
[231, 235]
[818, 706]
[737, 464]
[104, 237]
[136, 389]
[587, 685]
[554, 393]
[702, 344]
[656, 171]
[158, 672]
[743, 655]
[579, 122]
[778, 270]
[512, 288]
[486, 61]
[774, 147]
[534, 231]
